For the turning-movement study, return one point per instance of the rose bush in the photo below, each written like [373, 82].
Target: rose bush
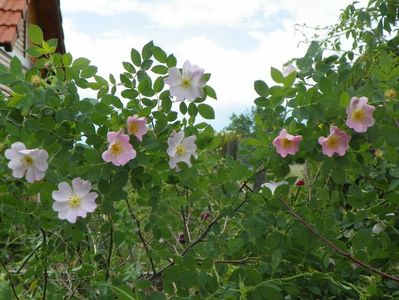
[128, 196]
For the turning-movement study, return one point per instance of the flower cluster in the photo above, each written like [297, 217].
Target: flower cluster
[359, 118]
[120, 151]
[76, 200]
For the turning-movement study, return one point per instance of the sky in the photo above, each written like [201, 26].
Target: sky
[235, 40]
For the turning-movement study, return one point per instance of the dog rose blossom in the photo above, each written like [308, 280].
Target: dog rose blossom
[137, 126]
[76, 201]
[286, 143]
[120, 151]
[186, 85]
[181, 149]
[272, 186]
[29, 163]
[360, 114]
[288, 70]
[336, 142]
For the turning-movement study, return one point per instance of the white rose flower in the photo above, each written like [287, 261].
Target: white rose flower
[271, 185]
[75, 201]
[288, 70]
[29, 163]
[188, 85]
[181, 149]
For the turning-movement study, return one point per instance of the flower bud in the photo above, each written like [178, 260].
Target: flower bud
[36, 80]
[390, 94]
[205, 215]
[181, 238]
[378, 153]
[300, 182]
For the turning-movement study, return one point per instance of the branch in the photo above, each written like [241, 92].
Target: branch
[9, 278]
[185, 225]
[111, 245]
[335, 247]
[202, 236]
[45, 267]
[141, 237]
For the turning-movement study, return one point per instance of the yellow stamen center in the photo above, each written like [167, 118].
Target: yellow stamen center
[133, 127]
[27, 160]
[186, 83]
[180, 150]
[286, 143]
[332, 142]
[116, 148]
[74, 201]
[358, 115]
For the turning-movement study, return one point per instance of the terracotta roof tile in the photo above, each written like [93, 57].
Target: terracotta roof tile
[11, 16]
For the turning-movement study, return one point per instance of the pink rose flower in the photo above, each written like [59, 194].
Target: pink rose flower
[360, 114]
[286, 143]
[120, 151]
[336, 142]
[137, 126]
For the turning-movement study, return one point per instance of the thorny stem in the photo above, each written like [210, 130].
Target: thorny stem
[9, 278]
[141, 236]
[111, 245]
[45, 261]
[202, 236]
[331, 244]
[185, 224]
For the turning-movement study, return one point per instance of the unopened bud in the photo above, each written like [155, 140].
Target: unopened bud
[205, 215]
[390, 94]
[36, 81]
[378, 153]
[181, 238]
[300, 182]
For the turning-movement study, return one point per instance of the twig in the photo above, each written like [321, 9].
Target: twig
[111, 245]
[45, 267]
[27, 258]
[185, 225]
[141, 236]
[9, 278]
[335, 247]
[202, 236]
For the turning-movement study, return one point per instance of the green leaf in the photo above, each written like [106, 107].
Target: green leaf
[143, 85]
[171, 61]
[159, 69]
[88, 72]
[15, 66]
[210, 92]
[276, 75]
[129, 67]
[192, 109]
[158, 84]
[344, 99]
[160, 55]
[146, 52]
[67, 59]
[261, 88]
[35, 34]
[206, 111]
[183, 108]
[135, 57]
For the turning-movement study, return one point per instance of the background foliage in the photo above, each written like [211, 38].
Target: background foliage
[206, 232]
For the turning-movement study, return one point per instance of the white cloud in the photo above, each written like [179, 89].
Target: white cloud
[233, 71]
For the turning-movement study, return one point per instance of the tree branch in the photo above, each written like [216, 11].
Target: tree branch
[111, 245]
[335, 247]
[141, 237]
